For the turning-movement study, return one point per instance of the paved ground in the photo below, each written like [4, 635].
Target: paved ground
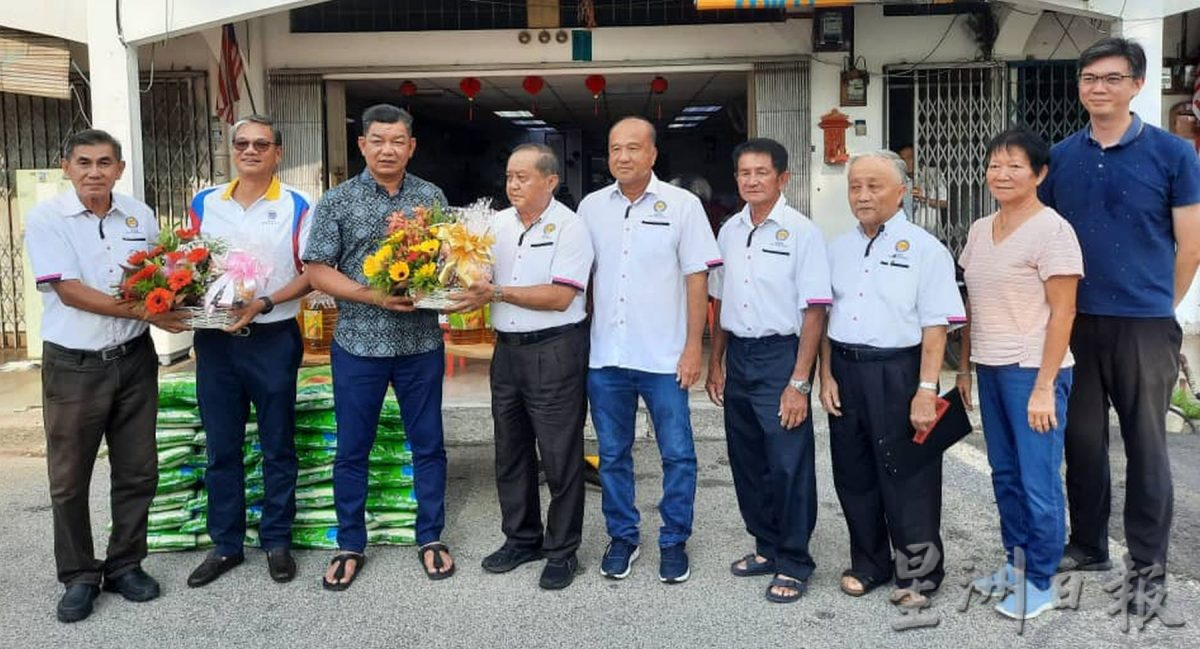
[394, 605]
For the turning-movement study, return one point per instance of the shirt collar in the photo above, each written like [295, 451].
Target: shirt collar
[71, 205]
[1135, 129]
[897, 219]
[773, 215]
[367, 178]
[652, 189]
[545, 213]
[274, 190]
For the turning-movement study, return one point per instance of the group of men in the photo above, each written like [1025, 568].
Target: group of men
[871, 311]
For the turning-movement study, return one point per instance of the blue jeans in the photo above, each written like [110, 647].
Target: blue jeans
[1025, 466]
[359, 386]
[613, 393]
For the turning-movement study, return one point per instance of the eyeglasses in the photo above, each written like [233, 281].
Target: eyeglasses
[1113, 79]
[259, 145]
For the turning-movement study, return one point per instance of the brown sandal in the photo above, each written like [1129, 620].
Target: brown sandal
[439, 566]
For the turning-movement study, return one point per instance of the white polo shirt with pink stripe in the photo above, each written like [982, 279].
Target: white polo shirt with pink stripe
[773, 271]
[887, 288]
[555, 248]
[65, 241]
[645, 249]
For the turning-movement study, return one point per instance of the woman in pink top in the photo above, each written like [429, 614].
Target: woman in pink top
[1021, 266]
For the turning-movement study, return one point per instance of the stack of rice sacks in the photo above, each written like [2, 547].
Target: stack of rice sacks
[391, 503]
[179, 512]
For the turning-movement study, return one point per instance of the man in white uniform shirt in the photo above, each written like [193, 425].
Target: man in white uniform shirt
[654, 248]
[99, 371]
[543, 259]
[255, 360]
[894, 294]
[771, 297]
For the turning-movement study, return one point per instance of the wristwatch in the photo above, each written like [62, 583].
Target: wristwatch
[270, 306]
[803, 387]
[497, 293]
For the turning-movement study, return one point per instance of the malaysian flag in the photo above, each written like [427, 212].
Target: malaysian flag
[229, 75]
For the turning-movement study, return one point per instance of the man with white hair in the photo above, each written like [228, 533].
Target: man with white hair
[894, 294]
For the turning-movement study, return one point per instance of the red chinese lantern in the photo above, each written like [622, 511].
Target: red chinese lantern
[596, 84]
[533, 84]
[470, 87]
[408, 89]
[658, 85]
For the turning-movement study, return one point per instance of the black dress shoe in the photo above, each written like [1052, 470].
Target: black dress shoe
[1075, 559]
[559, 573]
[509, 557]
[281, 565]
[76, 603]
[214, 566]
[135, 585]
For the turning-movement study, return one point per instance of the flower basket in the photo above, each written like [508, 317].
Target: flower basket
[202, 318]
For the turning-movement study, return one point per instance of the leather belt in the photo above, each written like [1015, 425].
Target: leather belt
[532, 337]
[869, 353]
[106, 355]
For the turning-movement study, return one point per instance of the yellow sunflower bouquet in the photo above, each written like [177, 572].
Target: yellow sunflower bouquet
[406, 261]
[433, 254]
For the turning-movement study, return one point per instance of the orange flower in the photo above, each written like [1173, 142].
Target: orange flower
[159, 301]
[197, 255]
[179, 279]
[145, 273]
[186, 234]
[174, 257]
[156, 251]
[137, 258]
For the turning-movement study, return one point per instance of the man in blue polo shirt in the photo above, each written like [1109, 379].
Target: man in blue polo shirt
[1132, 192]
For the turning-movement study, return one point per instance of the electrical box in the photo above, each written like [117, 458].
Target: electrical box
[33, 186]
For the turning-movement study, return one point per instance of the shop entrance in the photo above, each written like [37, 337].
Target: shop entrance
[463, 146]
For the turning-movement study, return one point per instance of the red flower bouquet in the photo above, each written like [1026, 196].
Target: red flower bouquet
[173, 274]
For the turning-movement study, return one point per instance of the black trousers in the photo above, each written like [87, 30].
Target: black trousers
[231, 373]
[1130, 364]
[539, 397]
[876, 394]
[774, 472]
[86, 399]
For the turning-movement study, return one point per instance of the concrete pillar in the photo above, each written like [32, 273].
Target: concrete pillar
[1148, 32]
[336, 145]
[252, 41]
[116, 102]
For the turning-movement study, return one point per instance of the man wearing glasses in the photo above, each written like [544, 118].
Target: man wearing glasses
[255, 359]
[1132, 192]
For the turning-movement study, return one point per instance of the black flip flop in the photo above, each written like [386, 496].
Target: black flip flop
[780, 581]
[753, 568]
[437, 548]
[340, 561]
[869, 584]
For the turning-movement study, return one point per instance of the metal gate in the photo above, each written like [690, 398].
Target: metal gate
[177, 161]
[782, 111]
[297, 105]
[32, 132]
[1044, 96]
[176, 148]
[957, 110]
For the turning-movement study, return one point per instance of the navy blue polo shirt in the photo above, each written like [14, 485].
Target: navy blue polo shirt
[1119, 201]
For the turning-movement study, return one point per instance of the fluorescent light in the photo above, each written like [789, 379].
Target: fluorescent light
[528, 122]
[701, 109]
[690, 118]
[681, 124]
[510, 114]
[542, 129]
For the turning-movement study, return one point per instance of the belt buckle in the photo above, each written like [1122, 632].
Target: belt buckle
[112, 353]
